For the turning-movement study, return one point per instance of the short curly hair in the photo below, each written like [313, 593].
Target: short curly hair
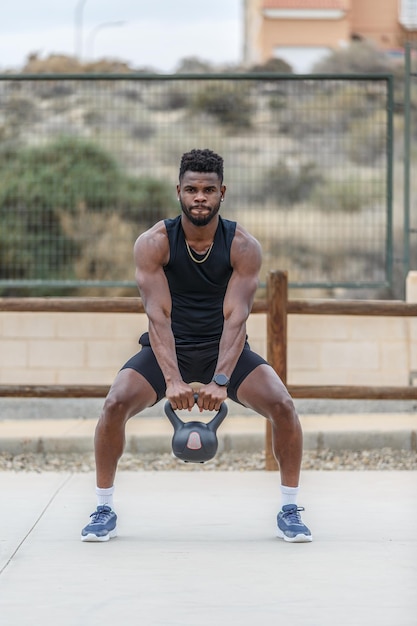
[201, 161]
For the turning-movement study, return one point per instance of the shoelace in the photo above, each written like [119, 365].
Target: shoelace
[97, 517]
[293, 515]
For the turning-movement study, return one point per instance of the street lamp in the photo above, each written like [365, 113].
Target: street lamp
[78, 23]
[96, 30]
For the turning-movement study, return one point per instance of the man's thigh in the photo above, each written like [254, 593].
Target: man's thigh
[262, 389]
[145, 364]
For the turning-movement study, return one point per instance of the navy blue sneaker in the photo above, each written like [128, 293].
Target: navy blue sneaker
[102, 526]
[290, 526]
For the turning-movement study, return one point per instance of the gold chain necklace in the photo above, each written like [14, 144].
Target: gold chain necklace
[206, 256]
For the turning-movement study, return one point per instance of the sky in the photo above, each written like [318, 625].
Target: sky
[144, 33]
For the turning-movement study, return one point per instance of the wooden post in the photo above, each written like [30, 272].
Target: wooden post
[276, 333]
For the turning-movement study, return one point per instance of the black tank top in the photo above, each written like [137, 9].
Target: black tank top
[198, 289]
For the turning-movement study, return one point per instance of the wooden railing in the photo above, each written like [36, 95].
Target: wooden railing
[277, 308]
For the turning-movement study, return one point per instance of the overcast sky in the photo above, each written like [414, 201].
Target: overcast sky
[154, 33]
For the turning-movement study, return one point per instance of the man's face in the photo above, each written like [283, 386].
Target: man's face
[200, 194]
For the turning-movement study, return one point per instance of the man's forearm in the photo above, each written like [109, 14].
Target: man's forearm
[231, 345]
[163, 345]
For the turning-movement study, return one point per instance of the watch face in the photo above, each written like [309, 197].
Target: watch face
[221, 379]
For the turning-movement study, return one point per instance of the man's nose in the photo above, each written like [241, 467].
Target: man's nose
[200, 196]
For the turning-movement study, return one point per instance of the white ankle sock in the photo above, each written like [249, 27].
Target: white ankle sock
[288, 495]
[105, 496]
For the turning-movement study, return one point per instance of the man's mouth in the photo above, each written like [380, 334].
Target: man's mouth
[200, 209]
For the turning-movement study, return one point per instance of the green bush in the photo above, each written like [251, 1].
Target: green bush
[167, 96]
[229, 103]
[368, 139]
[291, 185]
[194, 65]
[347, 196]
[330, 110]
[71, 173]
[276, 66]
[146, 200]
[58, 176]
[42, 188]
[33, 246]
[361, 57]
[172, 98]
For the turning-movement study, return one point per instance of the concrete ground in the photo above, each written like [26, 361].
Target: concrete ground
[199, 548]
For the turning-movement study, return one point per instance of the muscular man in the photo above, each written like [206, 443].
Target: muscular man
[197, 275]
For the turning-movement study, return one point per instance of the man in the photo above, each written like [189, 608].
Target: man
[197, 275]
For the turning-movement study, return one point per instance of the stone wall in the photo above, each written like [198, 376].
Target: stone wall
[89, 348]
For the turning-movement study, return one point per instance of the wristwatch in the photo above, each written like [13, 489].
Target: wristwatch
[221, 379]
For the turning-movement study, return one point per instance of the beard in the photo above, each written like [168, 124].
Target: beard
[200, 220]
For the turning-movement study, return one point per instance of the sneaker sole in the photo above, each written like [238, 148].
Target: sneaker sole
[95, 538]
[297, 539]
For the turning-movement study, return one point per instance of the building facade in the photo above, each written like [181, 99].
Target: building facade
[303, 31]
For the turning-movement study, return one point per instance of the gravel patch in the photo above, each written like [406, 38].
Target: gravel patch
[324, 460]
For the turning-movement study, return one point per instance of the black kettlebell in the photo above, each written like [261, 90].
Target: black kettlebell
[194, 442]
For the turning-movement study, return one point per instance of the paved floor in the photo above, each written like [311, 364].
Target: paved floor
[199, 548]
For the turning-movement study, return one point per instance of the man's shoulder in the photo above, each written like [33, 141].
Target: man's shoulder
[244, 243]
[151, 247]
[156, 232]
[244, 235]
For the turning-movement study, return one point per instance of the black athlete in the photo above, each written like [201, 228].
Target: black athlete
[197, 275]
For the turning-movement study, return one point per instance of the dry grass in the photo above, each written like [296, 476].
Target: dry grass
[144, 137]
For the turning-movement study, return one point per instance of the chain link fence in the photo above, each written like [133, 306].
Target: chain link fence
[410, 156]
[88, 163]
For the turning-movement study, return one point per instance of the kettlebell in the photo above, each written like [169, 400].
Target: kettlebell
[194, 441]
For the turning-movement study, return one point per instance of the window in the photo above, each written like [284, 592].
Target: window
[301, 58]
[408, 14]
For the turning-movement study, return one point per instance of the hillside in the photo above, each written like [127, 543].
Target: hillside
[305, 160]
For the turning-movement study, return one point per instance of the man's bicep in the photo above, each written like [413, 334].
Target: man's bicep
[156, 297]
[244, 280]
[247, 260]
[240, 294]
[151, 279]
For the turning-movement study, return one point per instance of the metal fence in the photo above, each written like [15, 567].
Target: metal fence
[87, 163]
[410, 156]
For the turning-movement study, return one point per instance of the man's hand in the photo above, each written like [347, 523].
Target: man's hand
[180, 395]
[211, 396]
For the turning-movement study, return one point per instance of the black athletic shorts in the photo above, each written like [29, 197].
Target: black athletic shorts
[196, 362]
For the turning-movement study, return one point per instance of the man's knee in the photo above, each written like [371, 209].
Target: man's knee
[283, 410]
[115, 407]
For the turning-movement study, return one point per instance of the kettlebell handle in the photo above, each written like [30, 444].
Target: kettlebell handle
[213, 424]
[219, 417]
